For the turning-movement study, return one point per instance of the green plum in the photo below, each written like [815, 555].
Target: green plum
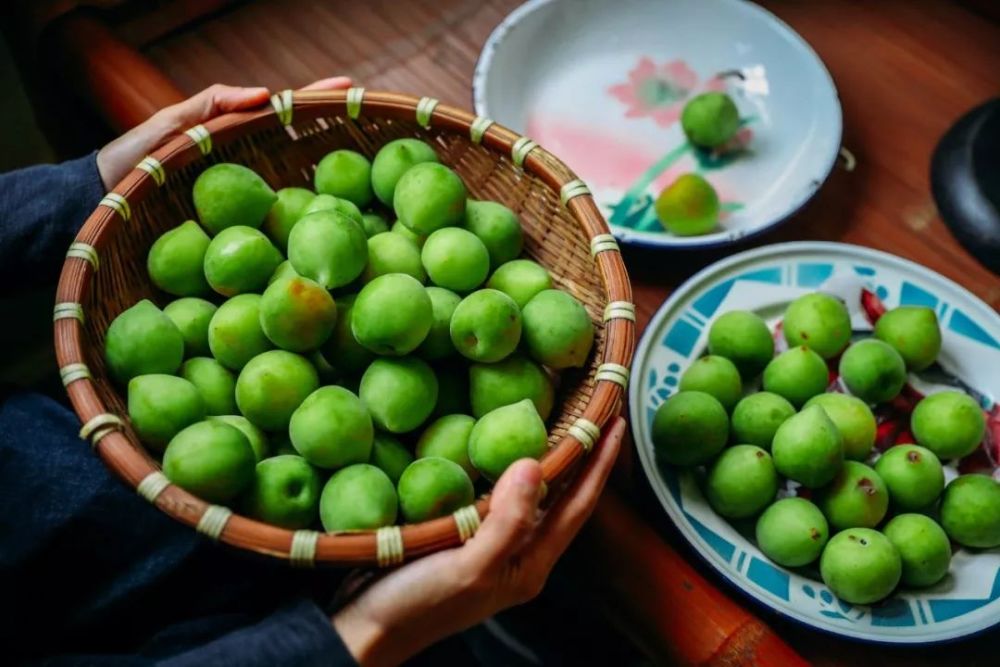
[297, 314]
[756, 418]
[914, 332]
[949, 423]
[808, 448]
[819, 321]
[239, 260]
[284, 270]
[486, 326]
[744, 339]
[505, 435]
[429, 196]
[913, 475]
[393, 160]
[437, 344]
[689, 206]
[341, 350]
[234, 333]
[741, 482]
[176, 260]
[860, 565]
[399, 392]
[226, 195]
[211, 459]
[284, 492]
[923, 547]
[331, 203]
[389, 455]
[328, 247]
[796, 375]
[792, 532]
[159, 406]
[453, 391]
[970, 511]
[497, 227]
[324, 203]
[432, 487]
[455, 259]
[142, 340]
[215, 383]
[689, 429]
[521, 280]
[448, 437]
[853, 418]
[514, 379]
[256, 437]
[285, 212]
[332, 428]
[857, 497]
[389, 252]
[558, 331]
[191, 316]
[374, 223]
[358, 497]
[716, 376]
[873, 371]
[710, 119]
[347, 175]
[272, 385]
[399, 228]
[392, 314]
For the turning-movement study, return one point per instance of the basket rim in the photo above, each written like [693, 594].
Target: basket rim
[386, 546]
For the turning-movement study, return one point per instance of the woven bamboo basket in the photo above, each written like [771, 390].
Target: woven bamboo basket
[104, 273]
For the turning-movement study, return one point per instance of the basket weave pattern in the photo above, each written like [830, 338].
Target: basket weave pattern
[283, 144]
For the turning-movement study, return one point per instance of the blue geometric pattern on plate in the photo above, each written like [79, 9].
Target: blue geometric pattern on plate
[961, 324]
[942, 610]
[709, 302]
[767, 576]
[813, 275]
[721, 545]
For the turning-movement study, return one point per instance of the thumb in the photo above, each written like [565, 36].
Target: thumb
[513, 514]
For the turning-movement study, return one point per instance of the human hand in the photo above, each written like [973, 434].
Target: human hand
[121, 155]
[506, 563]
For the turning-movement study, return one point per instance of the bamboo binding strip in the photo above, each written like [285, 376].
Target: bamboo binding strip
[564, 231]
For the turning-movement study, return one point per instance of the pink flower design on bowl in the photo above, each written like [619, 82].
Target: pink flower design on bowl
[656, 91]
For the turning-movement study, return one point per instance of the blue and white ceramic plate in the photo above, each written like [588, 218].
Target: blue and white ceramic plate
[765, 280]
[601, 84]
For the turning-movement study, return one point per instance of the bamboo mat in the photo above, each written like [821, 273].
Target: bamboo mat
[425, 46]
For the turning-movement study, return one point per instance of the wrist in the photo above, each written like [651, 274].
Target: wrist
[364, 637]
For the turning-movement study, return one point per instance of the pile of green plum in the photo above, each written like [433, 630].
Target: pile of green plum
[376, 372]
[808, 437]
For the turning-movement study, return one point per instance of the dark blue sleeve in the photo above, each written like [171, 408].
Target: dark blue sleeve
[41, 210]
[297, 635]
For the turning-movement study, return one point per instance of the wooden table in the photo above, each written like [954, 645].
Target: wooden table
[905, 70]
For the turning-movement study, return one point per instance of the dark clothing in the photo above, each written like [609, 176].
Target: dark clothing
[90, 573]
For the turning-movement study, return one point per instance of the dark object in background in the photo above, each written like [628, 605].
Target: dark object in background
[965, 180]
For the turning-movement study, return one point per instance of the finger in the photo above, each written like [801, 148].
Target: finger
[221, 99]
[213, 101]
[513, 515]
[568, 515]
[330, 83]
